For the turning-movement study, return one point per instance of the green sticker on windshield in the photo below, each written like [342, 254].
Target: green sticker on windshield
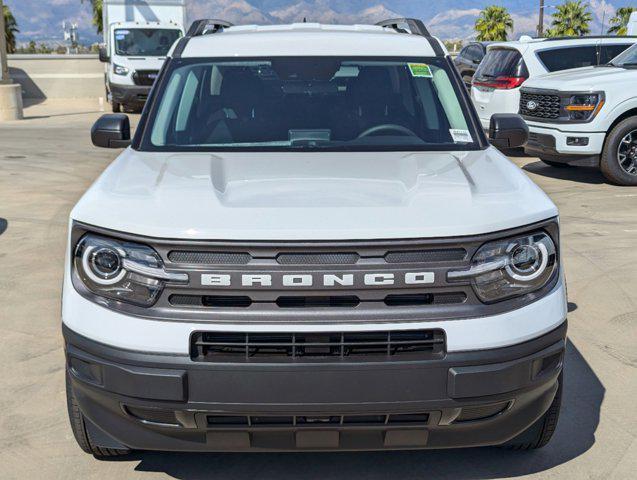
[420, 70]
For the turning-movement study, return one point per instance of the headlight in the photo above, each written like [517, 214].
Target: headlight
[119, 70]
[124, 271]
[583, 107]
[511, 267]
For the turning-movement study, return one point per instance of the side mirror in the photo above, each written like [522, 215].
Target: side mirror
[508, 130]
[111, 131]
[103, 54]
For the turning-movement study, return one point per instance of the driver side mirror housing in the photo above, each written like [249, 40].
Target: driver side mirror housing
[103, 54]
[508, 130]
[111, 131]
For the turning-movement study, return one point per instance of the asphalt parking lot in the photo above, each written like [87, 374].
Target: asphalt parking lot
[47, 162]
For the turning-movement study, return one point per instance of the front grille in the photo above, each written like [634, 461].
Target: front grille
[427, 256]
[312, 258]
[547, 105]
[145, 78]
[359, 346]
[209, 258]
[317, 258]
[317, 301]
[308, 420]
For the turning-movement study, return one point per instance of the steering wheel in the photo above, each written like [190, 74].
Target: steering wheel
[388, 127]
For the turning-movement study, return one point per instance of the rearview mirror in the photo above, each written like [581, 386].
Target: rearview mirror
[508, 130]
[103, 54]
[111, 131]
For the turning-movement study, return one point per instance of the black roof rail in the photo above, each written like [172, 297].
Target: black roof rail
[204, 26]
[415, 27]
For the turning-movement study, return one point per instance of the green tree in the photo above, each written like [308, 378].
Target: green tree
[10, 28]
[571, 19]
[97, 14]
[619, 23]
[493, 24]
[32, 48]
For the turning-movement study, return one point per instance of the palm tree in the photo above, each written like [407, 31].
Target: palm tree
[571, 19]
[10, 28]
[97, 14]
[620, 21]
[493, 24]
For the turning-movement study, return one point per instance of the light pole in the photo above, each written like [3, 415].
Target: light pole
[540, 25]
[4, 67]
[10, 93]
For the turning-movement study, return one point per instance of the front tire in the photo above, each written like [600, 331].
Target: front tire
[117, 107]
[619, 157]
[81, 434]
[541, 432]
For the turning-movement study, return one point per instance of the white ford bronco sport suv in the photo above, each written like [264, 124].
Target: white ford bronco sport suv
[312, 251]
[586, 117]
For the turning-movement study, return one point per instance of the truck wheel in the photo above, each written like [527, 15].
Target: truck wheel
[80, 433]
[555, 164]
[540, 433]
[117, 107]
[619, 157]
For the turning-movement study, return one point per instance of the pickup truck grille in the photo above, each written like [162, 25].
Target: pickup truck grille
[145, 78]
[546, 106]
[261, 347]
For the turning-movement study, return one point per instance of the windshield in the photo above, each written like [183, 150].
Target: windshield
[150, 42]
[626, 59]
[310, 103]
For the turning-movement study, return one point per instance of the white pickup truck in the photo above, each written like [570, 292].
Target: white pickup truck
[310, 244]
[586, 116]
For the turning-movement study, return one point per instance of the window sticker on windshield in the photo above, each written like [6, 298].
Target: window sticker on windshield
[120, 36]
[460, 136]
[421, 70]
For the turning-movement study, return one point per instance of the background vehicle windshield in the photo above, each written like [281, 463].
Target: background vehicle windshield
[626, 59]
[318, 102]
[151, 42]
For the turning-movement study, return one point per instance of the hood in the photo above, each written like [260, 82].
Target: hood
[312, 196]
[582, 79]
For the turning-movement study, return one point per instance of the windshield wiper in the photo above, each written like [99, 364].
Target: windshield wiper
[628, 65]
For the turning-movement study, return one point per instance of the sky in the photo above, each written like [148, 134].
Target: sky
[41, 20]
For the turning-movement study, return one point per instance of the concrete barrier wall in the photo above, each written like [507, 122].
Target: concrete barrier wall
[58, 76]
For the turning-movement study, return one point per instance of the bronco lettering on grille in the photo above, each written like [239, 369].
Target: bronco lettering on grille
[309, 280]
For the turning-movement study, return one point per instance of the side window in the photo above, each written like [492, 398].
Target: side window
[475, 53]
[608, 52]
[555, 59]
[464, 53]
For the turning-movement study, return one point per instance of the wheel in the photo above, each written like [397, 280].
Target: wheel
[540, 433]
[117, 107]
[80, 433]
[619, 157]
[555, 164]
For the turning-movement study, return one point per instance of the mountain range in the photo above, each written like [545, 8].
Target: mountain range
[449, 19]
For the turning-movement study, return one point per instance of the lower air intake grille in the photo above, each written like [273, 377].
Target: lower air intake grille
[308, 421]
[282, 347]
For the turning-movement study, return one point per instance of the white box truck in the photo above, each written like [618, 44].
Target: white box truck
[137, 37]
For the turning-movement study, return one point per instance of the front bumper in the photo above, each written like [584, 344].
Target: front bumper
[169, 402]
[552, 144]
[129, 94]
